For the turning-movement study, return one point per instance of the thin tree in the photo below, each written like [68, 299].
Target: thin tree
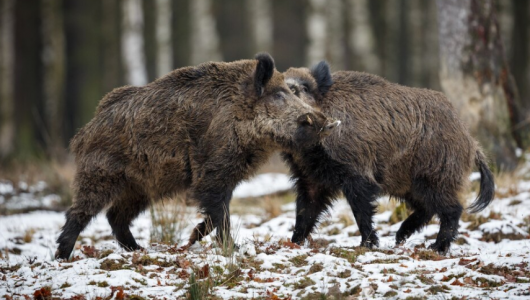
[261, 24]
[164, 55]
[7, 126]
[204, 37]
[133, 43]
[475, 75]
[316, 25]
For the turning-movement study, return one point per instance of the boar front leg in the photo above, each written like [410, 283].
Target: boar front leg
[361, 195]
[311, 201]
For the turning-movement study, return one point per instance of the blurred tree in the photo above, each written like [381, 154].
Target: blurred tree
[361, 38]
[234, 28]
[204, 36]
[150, 43]
[475, 75]
[317, 31]
[289, 33]
[336, 36]
[83, 87]
[181, 33]
[520, 53]
[7, 126]
[261, 24]
[133, 43]
[113, 75]
[54, 74]
[164, 57]
[28, 70]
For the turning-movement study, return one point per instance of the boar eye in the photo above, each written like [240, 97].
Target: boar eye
[279, 96]
[305, 89]
[293, 89]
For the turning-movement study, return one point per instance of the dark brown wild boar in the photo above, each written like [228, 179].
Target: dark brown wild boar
[199, 130]
[404, 142]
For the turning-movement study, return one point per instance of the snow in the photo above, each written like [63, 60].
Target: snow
[263, 184]
[267, 264]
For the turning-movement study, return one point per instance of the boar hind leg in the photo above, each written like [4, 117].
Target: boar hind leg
[92, 195]
[415, 222]
[121, 214]
[361, 195]
[311, 201]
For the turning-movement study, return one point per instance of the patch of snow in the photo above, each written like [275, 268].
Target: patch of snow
[263, 184]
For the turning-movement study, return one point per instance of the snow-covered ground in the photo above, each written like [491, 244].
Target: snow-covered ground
[490, 260]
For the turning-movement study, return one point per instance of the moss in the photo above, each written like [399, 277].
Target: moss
[113, 265]
[65, 285]
[102, 284]
[399, 214]
[316, 268]
[303, 283]
[390, 294]
[435, 289]
[299, 261]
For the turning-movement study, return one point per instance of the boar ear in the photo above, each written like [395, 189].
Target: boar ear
[264, 71]
[322, 75]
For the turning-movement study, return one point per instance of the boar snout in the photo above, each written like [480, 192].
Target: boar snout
[319, 123]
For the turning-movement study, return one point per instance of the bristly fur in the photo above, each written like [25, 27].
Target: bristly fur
[198, 130]
[322, 75]
[404, 142]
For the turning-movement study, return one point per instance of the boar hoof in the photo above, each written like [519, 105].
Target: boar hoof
[370, 244]
[441, 248]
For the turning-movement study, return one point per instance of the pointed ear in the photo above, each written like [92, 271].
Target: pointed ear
[322, 76]
[264, 72]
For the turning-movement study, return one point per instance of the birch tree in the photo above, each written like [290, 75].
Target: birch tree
[261, 23]
[316, 31]
[362, 37]
[204, 37]
[133, 43]
[475, 76]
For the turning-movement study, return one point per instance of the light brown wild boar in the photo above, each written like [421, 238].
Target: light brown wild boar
[405, 142]
[199, 130]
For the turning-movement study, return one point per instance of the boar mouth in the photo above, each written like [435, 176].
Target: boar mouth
[328, 128]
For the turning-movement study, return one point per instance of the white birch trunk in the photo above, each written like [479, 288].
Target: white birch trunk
[163, 36]
[133, 43]
[260, 12]
[362, 37]
[204, 37]
[336, 47]
[316, 31]
[7, 128]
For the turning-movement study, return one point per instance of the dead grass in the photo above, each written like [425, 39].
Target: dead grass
[168, 220]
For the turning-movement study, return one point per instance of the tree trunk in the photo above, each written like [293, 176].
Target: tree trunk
[290, 33]
[150, 46]
[316, 31]
[54, 74]
[133, 43]
[111, 48]
[404, 64]
[84, 86]
[520, 54]
[28, 91]
[336, 34]
[261, 24]
[204, 37]
[232, 25]
[475, 76]
[180, 33]
[7, 126]
[362, 38]
[164, 57]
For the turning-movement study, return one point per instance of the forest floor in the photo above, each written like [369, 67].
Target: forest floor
[490, 259]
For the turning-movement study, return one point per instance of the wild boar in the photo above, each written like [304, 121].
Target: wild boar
[405, 142]
[199, 130]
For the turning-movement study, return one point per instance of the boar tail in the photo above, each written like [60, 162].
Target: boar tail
[487, 185]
